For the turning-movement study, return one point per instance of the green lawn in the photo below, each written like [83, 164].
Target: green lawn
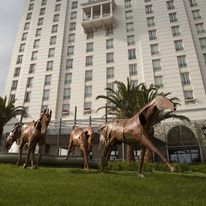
[61, 186]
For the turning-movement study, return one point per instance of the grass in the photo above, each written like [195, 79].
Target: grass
[62, 186]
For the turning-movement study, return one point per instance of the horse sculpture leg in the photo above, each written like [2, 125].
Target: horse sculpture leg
[147, 143]
[85, 152]
[141, 161]
[31, 146]
[39, 154]
[106, 153]
[32, 157]
[21, 145]
[70, 147]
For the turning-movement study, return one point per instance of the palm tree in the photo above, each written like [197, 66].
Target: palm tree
[7, 112]
[126, 100]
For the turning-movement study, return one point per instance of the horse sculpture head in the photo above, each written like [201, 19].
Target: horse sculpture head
[14, 135]
[45, 118]
[158, 104]
[89, 133]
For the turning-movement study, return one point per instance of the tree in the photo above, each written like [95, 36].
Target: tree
[7, 112]
[126, 100]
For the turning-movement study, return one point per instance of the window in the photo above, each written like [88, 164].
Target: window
[200, 28]
[32, 68]
[88, 75]
[154, 49]
[72, 26]
[175, 30]
[110, 72]
[111, 86]
[178, 45]
[128, 14]
[26, 26]
[127, 3]
[67, 93]
[74, 5]
[129, 27]
[27, 96]
[89, 60]
[43, 2]
[69, 64]
[156, 64]
[185, 79]
[152, 35]
[170, 4]
[132, 69]
[17, 71]
[182, 61]
[28, 16]
[14, 85]
[49, 65]
[71, 38]
[34, 55]
[43, 107]
[31, 6]
[46, 95]
[53, 40]
[47, 80]
[54, 28]
[68, 78]
[204, 56]
[109, 43]
[148, 9]
[19, 59]
[193, 3]
[173, 17]
[196, 14]
[109, 31]
[150, 21]
[70, 50]
[134, 82]
[90, 35]
[131, 54]
[202, 42]
[130, 40]
[88, 91]
[110, 57]
[42, 11]
[51, 52]
[87, 107]
[65, 109]
[36, 43]
[56, 18]
[22, 47]
[188, 95]
[12, 98]
[40, 21]
[73, 15]
[158, 81]
[57, 7]
[38, 32]
[29, 82]
[89, 47]
[24, 36]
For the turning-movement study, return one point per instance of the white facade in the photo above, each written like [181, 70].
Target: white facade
[160, 41]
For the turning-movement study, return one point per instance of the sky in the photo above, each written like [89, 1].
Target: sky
[10, 13]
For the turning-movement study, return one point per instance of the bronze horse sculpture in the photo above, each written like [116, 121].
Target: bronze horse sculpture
[31, 134]
[14, 136]
[82, 138]
[135, 129]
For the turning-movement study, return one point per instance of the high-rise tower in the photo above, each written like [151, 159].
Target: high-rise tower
[68, 51]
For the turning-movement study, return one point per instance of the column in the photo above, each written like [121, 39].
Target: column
[91, 13]
[111, 11]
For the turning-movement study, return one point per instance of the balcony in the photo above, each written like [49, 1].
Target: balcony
[97, 15]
